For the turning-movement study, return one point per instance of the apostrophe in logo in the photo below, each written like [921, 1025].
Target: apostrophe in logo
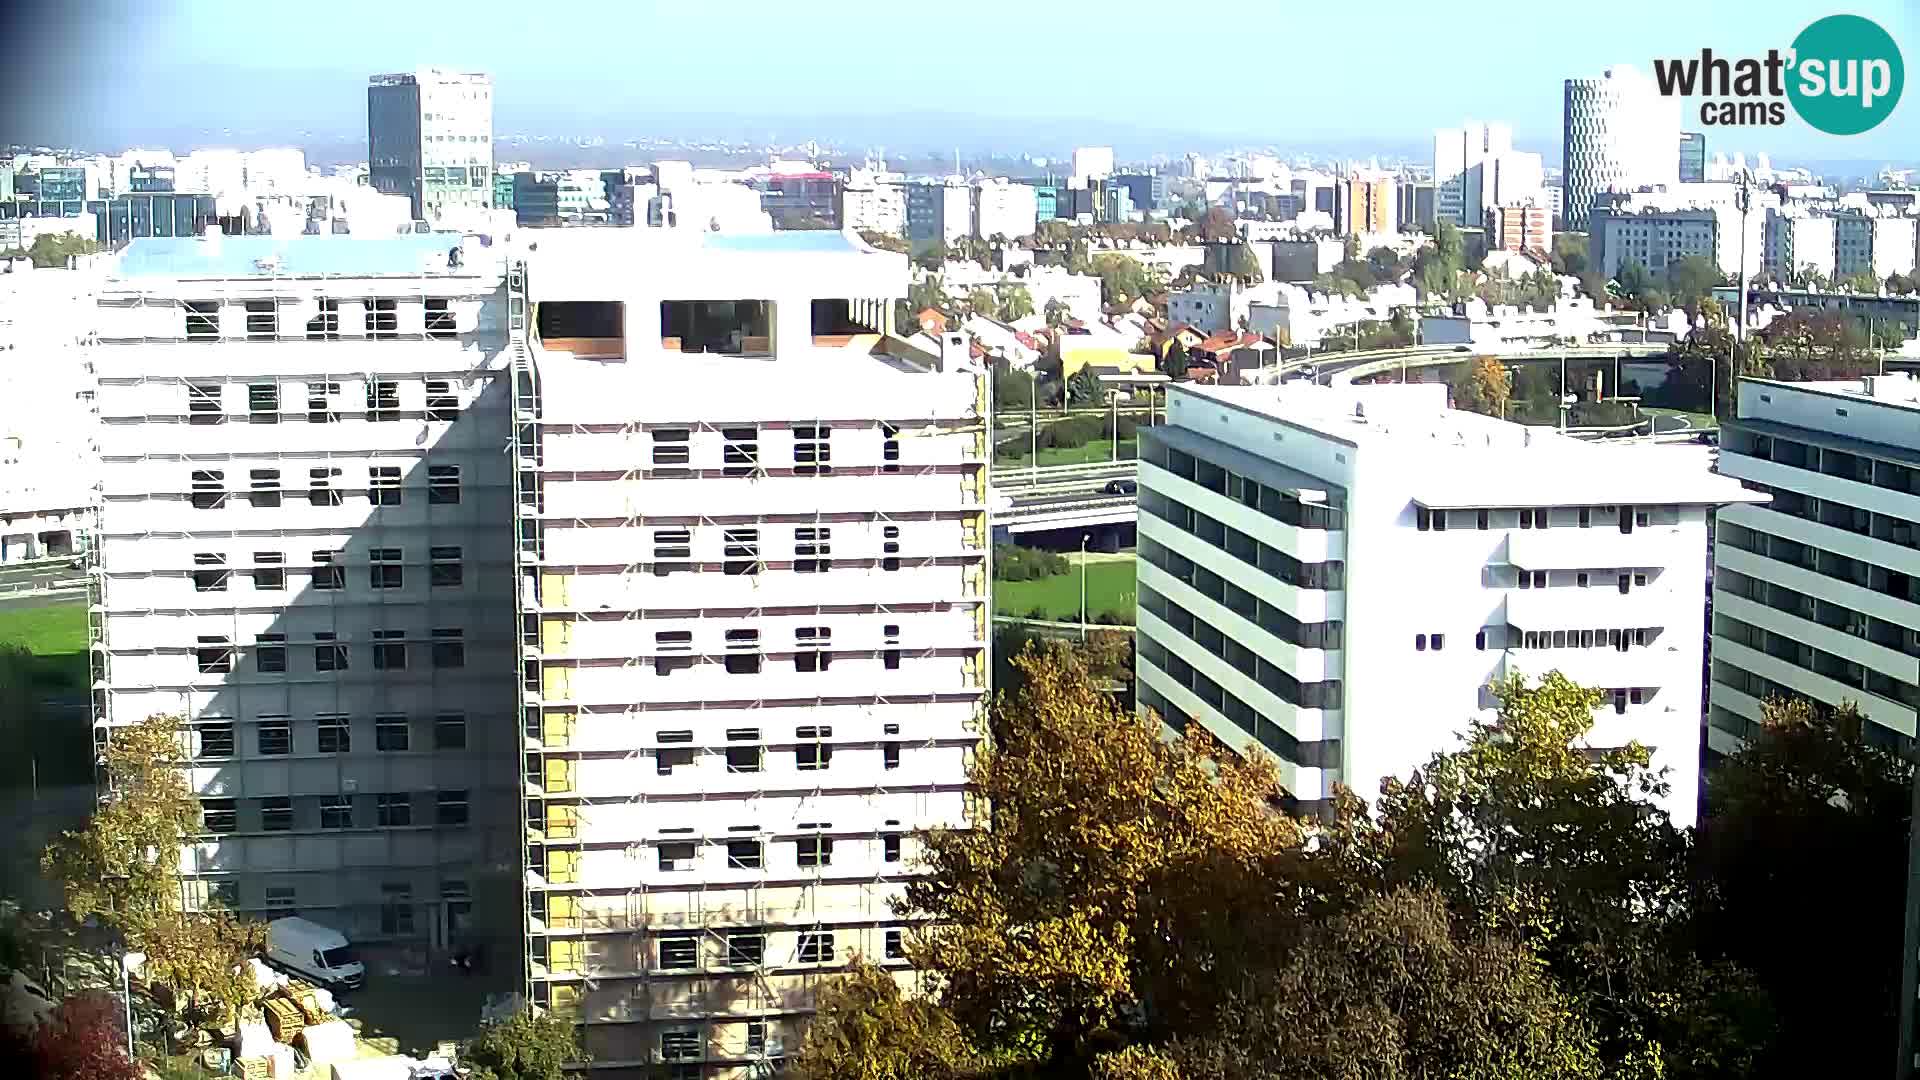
[1843, 75]
[1847, 75]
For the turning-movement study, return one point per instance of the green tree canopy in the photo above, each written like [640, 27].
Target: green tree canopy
[1570, 253]
[1015, 302]
[1692, 279]
[525, 1046]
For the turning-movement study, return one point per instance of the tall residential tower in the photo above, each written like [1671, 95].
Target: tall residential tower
[430, 138]
[1621, 134]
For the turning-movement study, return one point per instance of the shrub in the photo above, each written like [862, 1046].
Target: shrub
[1011, 562]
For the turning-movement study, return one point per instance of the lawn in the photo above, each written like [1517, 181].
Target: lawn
[56, 635]
[1097, 450]
[44, 695]
[1109, 588]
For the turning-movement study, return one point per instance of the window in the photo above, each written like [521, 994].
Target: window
[673, 651]
[443, 485]
[676, 857]
[889, 448]
[808, 757]
[740, 455]
[742, 551]
[396, 908]
[672, 550]
[212, 579]
[680, 1044]
[209, 489]
[1438, 641]
[743, 759]
[746, 949]
[335, 733]
[813, 450]
[816, 947]
[450, 807]
[203, 320]
[449, 647]
[890, 547]
[389, 650]
[224, 894]
[384, 570]
[393, 811]
[383, 485]
[327, 572]
[383, 399]
[890, 656]
[756, 1037]
[672, 451]
[810, 550]
[446, 568]
[814, 850]
[890, 849]
[274, 735]
[270, 653]
[890, 756]
[450, 731]
[216, 740]
[441, 402]
[440, 321]
[214, 655]
[218, 815]
[1480, 640]
[1586, 517]
[1639, 581]
[203, 404]
[265, 491]
[336, 811]
[276, 815]
[263, 403]
[325, 326]
[1422, 518]
[381, 319]
[679, 952]
[322, 488]
[1419, 643]
[1481, 520]
[745, 855]
[813, 643]
[896, 945]
[390, 732]
[743, 652]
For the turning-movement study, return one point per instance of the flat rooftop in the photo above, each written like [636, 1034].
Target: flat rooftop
[1898, 390]
[614, 263]
[1452, 459]
[242, 257]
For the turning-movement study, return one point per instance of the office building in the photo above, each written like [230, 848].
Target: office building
[1476, 168]
[938, 213]
[1798, 242]
[571, 197]
[163, 214]
[1877, 245]
[801, 200]
[1091, 164]
[1416, 204]
[1367, 204]
[320, 598]
[1520, 228]
[1332, 576]
[1659, 227]
[1115, 203]
[430, 138]
[1003, 209]
[1693, 157]
[753, 583]
[1620, 135]
[1147, 190]
[1816, 594]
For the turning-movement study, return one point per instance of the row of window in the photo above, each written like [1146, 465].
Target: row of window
[747, 757]
[673, 650]
[1626, 581]
[1627, 518]
[208, 489]
[1273, 562]
[1320, 635]
[215, 654]
[1306, 695]
[392, 810]
[740, 450]
[333, 734]
[386, 569]
[379, 319]
[1260, 728]
[741, 550]
[1279, 505]
[682, 952]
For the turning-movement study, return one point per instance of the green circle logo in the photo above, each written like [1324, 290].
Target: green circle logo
[1846, 75]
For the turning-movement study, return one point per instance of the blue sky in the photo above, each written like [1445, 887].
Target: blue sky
[1291, 73]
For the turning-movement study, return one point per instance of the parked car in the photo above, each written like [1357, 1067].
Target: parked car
[1121, 487]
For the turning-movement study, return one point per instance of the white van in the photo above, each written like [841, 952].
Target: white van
[317, 952]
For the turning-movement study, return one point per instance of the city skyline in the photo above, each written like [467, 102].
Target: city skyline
[221, 76]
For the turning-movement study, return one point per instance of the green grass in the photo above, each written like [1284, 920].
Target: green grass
[56, 635]
[1109, 588]
[45, 724]
[1097, 450]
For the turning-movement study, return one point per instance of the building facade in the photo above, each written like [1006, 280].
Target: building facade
[1003, 209]
[305, 551]
[1814, 593]
[802, 200]
[753, 577]
[1620, 134]
[1333, 576]
[938, 213]
[1520, 228]
[1693, 157]
[48, 461]
[1367, 205]
[430, 138]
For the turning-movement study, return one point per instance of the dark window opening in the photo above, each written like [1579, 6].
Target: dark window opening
[588, 328]
[731, 327]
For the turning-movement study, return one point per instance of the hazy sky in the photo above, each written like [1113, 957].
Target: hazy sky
[908, 73]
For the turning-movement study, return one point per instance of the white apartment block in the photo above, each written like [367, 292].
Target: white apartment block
[1880, 245]
[1817, 593]
[1797, 242]
[305, 550]
[1475, 169]
[1663, 225]
[870, 204]
[1334, 575]
[1004, 209]
[753, 587]
[48, 456]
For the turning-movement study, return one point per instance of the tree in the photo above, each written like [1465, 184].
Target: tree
[1124, 278]
[1173, 362]
[53, 249]
[1057, 313]
[524, 1046]
[1810, 809]
[864, 1028]
[1860, 281]
[1216, 225]
[982, 302]
[1485, 387]
[1634, 279]
[885, 241]
[1083, 388]
[1012, 391]
[84, 1038]
[928, 292]
[1692, 279]
[1384, 262]
[1570, 253]
[934, 257]
[1015, 302]
[1246, 266]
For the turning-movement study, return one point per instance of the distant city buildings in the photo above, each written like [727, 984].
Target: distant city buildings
[938, 213]
[1693, 157]
[1620, 135]
[1367, 204]
[1661, 226]
[1476, 168]
[430, 138]
[1091, 164]
[1003, 209]
[1526, 228]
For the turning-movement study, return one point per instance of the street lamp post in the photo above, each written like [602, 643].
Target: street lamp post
[1033, 424]
[127, 963]
[1114, 398]
[1084, 537]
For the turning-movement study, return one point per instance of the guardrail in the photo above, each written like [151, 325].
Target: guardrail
[1077, 505]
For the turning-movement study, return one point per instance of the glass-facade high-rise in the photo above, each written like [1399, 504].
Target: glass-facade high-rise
[1693, 157]
[430, 138]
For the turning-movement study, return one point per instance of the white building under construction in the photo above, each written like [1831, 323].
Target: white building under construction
[753, 576]
[306, 550]
[47, 452]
